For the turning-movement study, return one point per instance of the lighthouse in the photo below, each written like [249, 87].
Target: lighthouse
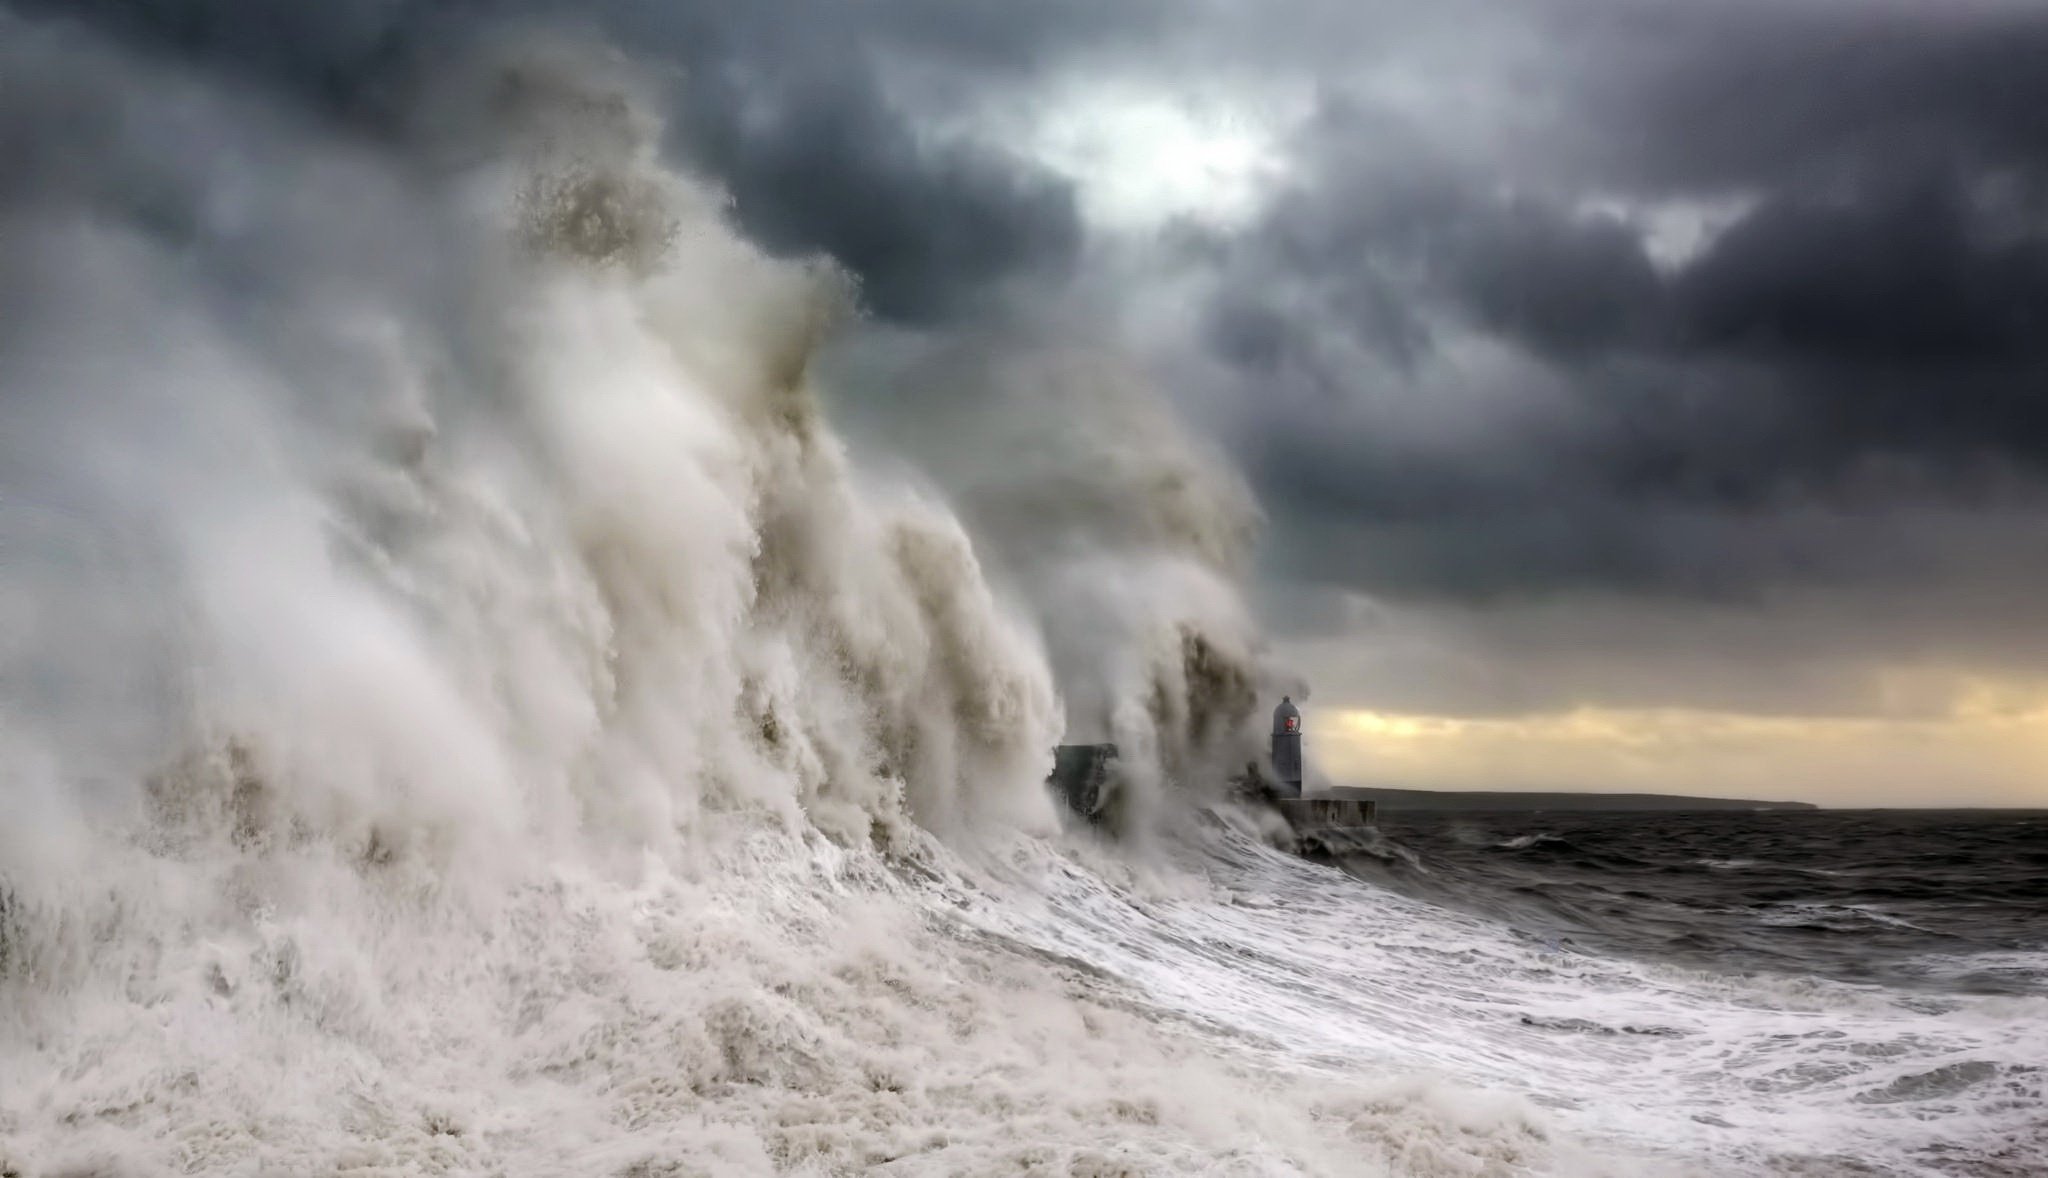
[1287, 747]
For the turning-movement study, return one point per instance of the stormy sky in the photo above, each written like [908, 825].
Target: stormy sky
[1638, 393]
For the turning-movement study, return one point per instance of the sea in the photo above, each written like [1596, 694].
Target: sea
[1750, 992]
[467, 708]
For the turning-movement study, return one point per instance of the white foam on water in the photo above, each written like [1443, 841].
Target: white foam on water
[791, 1007]
[1752, 1073]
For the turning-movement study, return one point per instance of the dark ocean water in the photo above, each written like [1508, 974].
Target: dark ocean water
[1952, 902]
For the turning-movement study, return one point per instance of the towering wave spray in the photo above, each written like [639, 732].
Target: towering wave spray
[464, 712]
[1129, 538]
[482, 493]
[390, 532]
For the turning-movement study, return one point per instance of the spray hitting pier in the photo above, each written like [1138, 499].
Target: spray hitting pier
[1086, 777]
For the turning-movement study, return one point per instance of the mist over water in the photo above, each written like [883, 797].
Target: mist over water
[467, 711]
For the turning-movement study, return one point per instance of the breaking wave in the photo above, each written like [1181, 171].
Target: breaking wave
[467, 711]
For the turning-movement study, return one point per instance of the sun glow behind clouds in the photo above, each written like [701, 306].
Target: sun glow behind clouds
[1141, 156]
[1990, 748]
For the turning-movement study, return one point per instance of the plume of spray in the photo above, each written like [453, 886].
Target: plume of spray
[463, 712]
[1129, 536]
[411, 511]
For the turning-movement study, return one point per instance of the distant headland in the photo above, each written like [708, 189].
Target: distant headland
[1391, 801]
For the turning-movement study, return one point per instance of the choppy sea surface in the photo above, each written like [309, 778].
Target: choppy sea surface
[1801, 993]
[1949, 902]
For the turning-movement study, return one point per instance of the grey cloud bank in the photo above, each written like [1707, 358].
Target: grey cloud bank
[1580, 327]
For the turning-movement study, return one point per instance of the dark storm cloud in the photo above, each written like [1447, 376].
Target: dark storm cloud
[1476, 382]
[1471, 351]
[1690, 97]
[796, 108]
[1380, 242]
[1903, 277]
[819, 160]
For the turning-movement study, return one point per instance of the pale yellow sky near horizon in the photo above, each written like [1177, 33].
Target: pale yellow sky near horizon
[1991, 749]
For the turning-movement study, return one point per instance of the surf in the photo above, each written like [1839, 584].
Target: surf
[474, 713]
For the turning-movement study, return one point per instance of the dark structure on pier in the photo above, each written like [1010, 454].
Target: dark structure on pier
[1080, 772]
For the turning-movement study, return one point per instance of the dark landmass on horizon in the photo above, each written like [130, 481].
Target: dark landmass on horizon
[1390, 800]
